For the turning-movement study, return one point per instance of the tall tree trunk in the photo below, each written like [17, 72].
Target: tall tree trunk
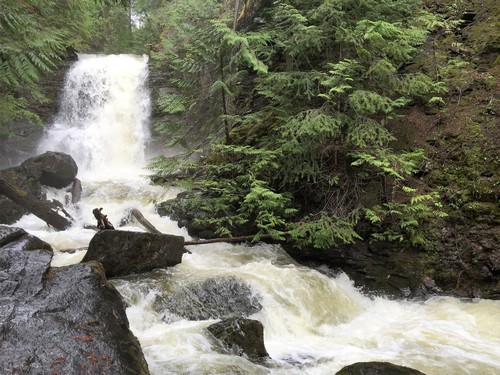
[224, 102]
[37, 207]
[236, 12]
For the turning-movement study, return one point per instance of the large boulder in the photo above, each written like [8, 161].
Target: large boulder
[53, 169]
[123, 253]
[214, 298]
[66, 320]
[377, 368]
[243, 337]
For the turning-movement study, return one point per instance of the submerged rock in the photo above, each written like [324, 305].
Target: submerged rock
[123, 253]
[243, 337]
[66, 320]
[377, 368]
[214, 298]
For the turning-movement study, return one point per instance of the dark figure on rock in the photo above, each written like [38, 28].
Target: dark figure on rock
[102, 220]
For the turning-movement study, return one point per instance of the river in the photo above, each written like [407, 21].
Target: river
[313, 323]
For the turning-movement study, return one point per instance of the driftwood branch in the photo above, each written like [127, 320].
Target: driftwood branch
[41, 209]
[144, 222]
[135, 213]
[102, 220]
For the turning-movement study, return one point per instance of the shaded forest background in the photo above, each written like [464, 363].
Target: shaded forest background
[322, 124]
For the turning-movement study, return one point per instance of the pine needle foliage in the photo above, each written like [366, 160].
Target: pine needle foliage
[324, 78]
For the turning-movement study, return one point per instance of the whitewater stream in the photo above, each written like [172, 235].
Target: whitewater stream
[313, 323]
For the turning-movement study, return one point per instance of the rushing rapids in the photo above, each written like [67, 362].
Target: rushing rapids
[314, 323]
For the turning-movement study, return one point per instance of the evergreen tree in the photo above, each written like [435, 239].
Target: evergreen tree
[326, 78]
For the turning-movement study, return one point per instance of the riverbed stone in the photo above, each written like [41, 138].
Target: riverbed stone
[67, 320]
[377, 368]
[242, 337]
[124, 253]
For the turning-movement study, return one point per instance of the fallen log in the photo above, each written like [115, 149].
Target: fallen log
[152, 229]
[41, 209]
[226, 239]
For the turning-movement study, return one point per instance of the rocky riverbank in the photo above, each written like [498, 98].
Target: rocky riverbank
[67, 320]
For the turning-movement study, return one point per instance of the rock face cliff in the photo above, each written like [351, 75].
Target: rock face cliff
[21, 144]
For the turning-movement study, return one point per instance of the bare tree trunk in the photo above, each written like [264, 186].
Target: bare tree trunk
[224, 102]
[37, 207]
[236, 11]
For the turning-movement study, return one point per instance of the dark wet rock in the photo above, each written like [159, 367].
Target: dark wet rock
[66, 320]
[377, 267]
[214, 298]
[243, 337]
[181, 210]
[377, 368]
[53, 169]
[12, 238]
[123, 253]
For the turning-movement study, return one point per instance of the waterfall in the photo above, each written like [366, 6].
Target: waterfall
[314, 323]
[103, 117]
[103, 123]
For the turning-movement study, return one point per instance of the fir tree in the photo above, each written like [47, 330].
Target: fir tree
[326, 79]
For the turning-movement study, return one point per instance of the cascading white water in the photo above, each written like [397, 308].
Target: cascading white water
[103, 123]
[313, 324]
[103, 119]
